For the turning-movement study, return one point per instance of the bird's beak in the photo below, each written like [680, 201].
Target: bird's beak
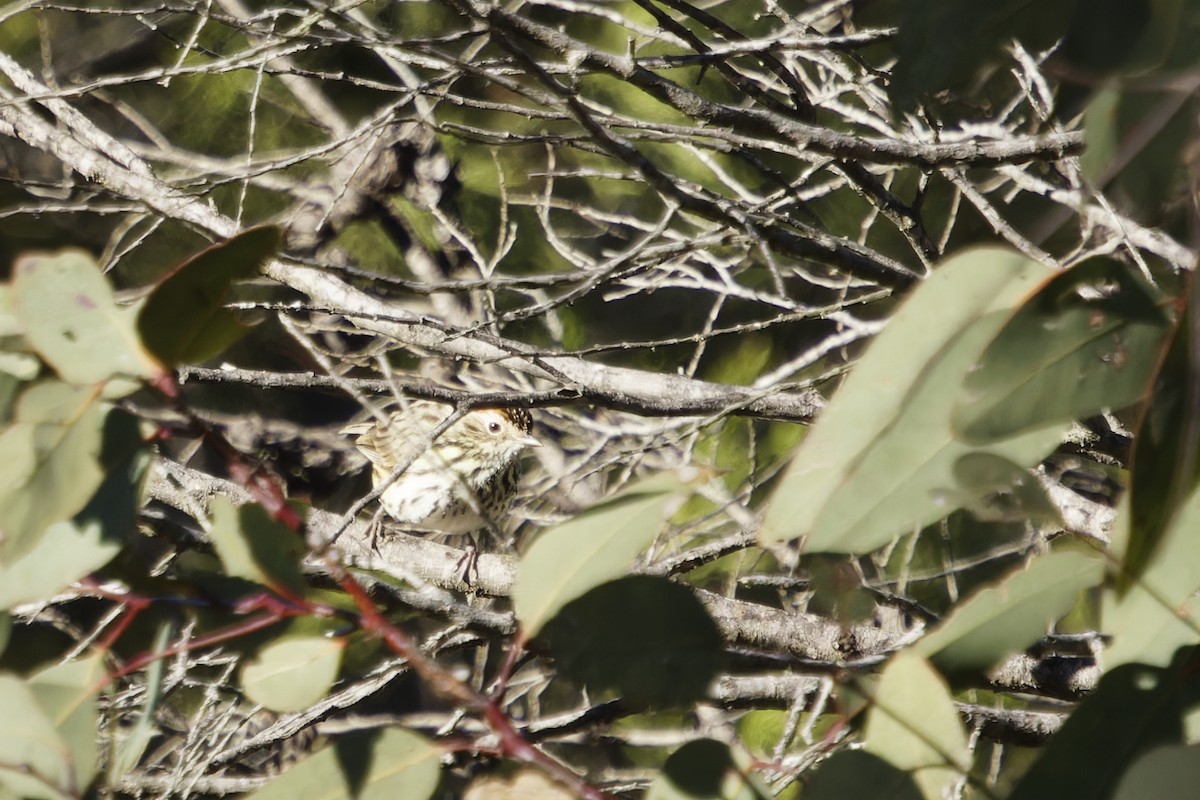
[529, 441]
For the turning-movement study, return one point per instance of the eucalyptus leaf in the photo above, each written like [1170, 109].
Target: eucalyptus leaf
[646, 639]
[184, 319]
[255, 547]
[49, 466]
[1013, 613]
[1156, 614]
[66, 309]
[396, 765]
[1164, 773]
[69, 550]
[1135, 709]
[854, 773]
[1165, 468]
[294, 673]
[48, 745]
[706, 769]
[584, 552]
[880, 460]
[1086, 341]
[68, 693]
[35, 760]
[914, 725]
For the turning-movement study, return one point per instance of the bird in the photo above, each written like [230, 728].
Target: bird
[460, 482]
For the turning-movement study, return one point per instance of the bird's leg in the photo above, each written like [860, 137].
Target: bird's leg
[374, 530]
[469, 564]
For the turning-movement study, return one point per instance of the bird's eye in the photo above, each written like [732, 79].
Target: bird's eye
[493, 427]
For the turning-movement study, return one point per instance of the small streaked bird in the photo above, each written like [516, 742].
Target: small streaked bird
[460, 483]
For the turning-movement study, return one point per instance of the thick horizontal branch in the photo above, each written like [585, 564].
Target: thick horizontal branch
[621, 388]
[796, 637]
[420, 561]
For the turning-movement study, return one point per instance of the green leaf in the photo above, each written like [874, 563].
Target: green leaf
[590, 549]
[1164, 773]
[131, 744]
[67, 693]
[49, 466]
[1134, 709]
[706, 770]
[66, 308]
[760, 730]
[880, 460]
[607, 640]
[994, 489]
[49, 730]
[71, 549]
[293, 674]
[184, 319]
[1012, 614]
[524, 783]
[255, 547]
[1165, 462]
[396, 765]
[22, 366]
[1086, 341]
[914, 725]
[62, 555]
[854, 773]
[35, 762]
[1160, 612]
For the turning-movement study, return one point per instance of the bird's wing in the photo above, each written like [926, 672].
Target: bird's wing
[386, 447]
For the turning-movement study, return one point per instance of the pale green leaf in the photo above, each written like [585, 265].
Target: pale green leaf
[1160, 611]
[9, 325]
[880, 459]
[67, 311]
[1164, 773]
[49, 465]
[74, 548]
[293, 674]
[1088, 340]
[707, 770]
[255, 547]
[68, 694]
[66, 552]
[588, 550]
[49, 727]
[35, 761]
[1012, 614]
[399, 765]
[914, 725]
[995, 489]
[20, 365]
